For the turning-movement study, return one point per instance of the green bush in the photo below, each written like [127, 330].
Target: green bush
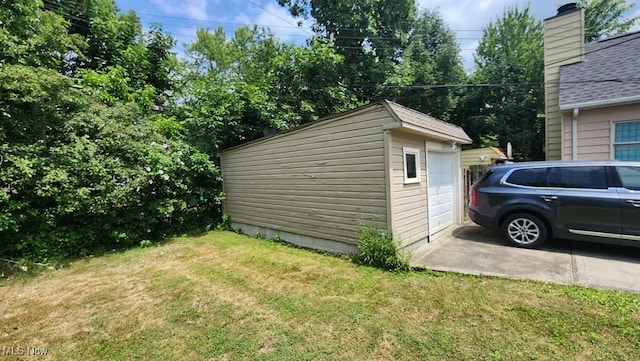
[108, 182]
[379, 249]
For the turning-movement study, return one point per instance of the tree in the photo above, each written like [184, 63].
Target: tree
[31, 36]
[84, 163]
[508, 104]
[250, 85]
[106, 32]
[430, 60]
[604, 18]
[370, 34]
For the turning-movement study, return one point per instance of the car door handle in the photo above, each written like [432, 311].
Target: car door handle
[633, 202]
[549, 198]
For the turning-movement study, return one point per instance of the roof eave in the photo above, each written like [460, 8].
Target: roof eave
[601, 103]
[428, 132]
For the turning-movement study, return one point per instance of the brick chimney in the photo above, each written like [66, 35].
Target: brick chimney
[563, 44]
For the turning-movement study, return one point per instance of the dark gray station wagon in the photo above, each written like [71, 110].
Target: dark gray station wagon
[597, 201]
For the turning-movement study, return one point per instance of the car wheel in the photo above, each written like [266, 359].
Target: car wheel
[524, 230]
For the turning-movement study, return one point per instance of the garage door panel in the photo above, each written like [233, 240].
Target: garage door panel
[441, 180]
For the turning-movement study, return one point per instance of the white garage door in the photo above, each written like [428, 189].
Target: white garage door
[441, 190]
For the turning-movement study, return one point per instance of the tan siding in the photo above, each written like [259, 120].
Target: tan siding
[475, 157]
[411, 221]
[318, 181]
[594, 130]
[563, 44]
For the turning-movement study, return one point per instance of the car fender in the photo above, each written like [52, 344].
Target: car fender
[540, 209]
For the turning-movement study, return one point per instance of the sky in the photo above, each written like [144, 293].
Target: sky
[181, 18]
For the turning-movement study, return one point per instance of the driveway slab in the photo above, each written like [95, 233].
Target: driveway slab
[471, 249]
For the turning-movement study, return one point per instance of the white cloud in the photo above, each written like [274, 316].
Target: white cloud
[467, 18]
[192, 9]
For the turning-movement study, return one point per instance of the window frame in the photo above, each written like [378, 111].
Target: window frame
[622, 177]
[615, 144]
[411, 151]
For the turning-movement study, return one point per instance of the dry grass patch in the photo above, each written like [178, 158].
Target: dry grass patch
[224, 296]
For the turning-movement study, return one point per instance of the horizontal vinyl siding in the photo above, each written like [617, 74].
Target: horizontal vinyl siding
[318, 181]
[563, 44]
[409, 200]
[474, 157]
[594, 129]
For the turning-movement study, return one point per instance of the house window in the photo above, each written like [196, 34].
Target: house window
[627, 141]
[411, 158]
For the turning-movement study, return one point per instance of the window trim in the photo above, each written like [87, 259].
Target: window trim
[613, 137]
[416, 152]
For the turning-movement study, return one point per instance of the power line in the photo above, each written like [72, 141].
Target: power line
[66, 11]
[291, 26]
[278, 16]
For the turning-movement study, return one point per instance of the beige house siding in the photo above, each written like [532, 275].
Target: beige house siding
[409, 207]
[563, 44]
[594, 127]
[481, 156]
[316, 181]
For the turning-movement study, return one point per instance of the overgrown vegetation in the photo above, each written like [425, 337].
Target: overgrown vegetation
[108, 140]
[225, 296]
[379, 249]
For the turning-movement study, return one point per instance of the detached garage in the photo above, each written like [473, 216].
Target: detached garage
[313, 184]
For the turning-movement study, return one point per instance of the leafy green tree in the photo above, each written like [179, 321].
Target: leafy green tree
[31, 36]
[84, 163]
[508, 103]
[106, 32]
[371, 36]
[112, 184]
[604, 18]
[431, 59]
[251, 85]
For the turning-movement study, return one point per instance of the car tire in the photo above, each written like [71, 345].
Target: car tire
[524, 230]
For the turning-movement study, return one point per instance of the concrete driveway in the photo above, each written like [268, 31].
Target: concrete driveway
[471, 249]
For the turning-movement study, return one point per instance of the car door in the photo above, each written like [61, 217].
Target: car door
[583, 205]
[630, 204]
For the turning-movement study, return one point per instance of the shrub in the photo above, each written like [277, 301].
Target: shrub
[379, 249]
[110, 182]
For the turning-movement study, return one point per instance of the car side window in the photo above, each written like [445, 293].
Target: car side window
[534, 177]
[630, 177]
[578, 177]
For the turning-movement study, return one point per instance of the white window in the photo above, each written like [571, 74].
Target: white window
[411, 158]
[626, 143]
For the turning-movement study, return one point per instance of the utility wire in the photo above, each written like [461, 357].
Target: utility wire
[67, 12]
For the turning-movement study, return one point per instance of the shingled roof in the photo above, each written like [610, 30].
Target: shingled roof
[426, 123]
[405, 118]
[609, 74]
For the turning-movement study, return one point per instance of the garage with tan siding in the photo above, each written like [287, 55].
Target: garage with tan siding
[313, 184]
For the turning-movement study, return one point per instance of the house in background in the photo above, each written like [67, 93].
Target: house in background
[476, 162]
[592, 91]
[482, 156]
[313, 184]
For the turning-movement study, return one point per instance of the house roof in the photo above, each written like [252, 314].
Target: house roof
[406, 118]
[495, 152]
[608, 76]
[423, 123]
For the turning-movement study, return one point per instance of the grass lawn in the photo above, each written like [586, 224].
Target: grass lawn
[223, 296]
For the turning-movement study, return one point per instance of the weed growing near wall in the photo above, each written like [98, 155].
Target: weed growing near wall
[379, 249]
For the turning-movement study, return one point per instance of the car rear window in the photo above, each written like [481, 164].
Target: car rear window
[591, 177]
[534, 177]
